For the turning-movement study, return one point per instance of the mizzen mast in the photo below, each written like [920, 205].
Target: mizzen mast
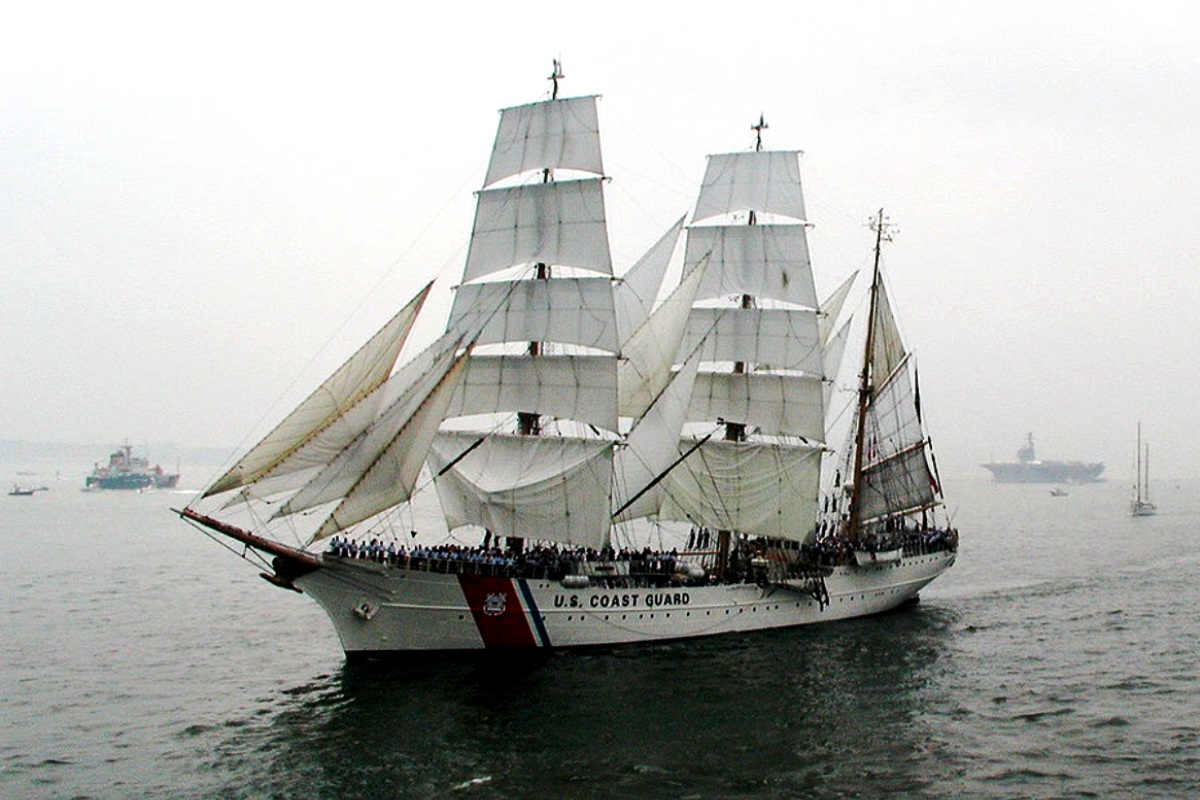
[880, 225]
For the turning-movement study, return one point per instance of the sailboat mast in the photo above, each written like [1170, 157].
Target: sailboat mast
[1146, 478]
[1137, 482]
[865, 387]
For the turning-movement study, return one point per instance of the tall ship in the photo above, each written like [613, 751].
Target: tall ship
[612, 459]
[124, 470]
[1028, 468]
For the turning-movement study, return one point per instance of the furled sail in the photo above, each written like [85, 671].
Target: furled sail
[356, 379]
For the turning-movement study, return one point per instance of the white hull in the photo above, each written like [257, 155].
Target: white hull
[379, 610]
[1141, 508]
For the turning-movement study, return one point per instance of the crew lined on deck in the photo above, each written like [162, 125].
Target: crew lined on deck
[554, 562]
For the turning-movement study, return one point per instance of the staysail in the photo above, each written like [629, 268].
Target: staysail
[354, 381]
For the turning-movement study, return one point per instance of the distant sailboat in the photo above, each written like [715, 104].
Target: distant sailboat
[1139, 504]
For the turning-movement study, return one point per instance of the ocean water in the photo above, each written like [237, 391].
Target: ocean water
[1057, 659]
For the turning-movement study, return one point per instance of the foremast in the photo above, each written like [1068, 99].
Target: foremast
[736, 431]
[537, 286]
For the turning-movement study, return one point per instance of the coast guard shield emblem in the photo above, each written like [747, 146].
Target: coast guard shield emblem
[495, 604]
[496, 608]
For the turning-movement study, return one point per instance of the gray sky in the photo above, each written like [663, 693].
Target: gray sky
[195, 201]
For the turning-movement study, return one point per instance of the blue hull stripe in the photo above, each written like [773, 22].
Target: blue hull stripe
[538, 625]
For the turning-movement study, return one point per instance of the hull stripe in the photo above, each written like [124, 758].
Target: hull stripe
[531, 606]
[497, 610]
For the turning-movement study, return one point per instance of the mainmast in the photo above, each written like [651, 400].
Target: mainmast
[880, 225]
[530, 423]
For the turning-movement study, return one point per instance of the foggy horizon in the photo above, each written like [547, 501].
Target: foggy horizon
[206, 211]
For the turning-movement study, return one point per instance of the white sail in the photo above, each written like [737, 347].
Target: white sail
[765, 261]
[320, 449]
[652, 349]
[576, 311]
[547, 135]
[897, 476]
[391, 476]
[343, 472]
[782, 338]
[902, 483]
[652, 446]
[775, 405]
[889, 349]
[833, 306]
[762, 181]
[892, 422]
[358, 377]
[891, 454]
[560, 223]
[581, 388]
[639, 287]
[835, 349]
[547, 488]
[756, 488]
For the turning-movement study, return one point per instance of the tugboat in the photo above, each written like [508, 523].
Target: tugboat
[127, 471]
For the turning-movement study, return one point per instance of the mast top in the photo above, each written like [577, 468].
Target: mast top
[885, 229]
[554, 78]
[758, 129]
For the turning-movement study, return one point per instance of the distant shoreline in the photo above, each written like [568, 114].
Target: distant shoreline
[17, 451]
